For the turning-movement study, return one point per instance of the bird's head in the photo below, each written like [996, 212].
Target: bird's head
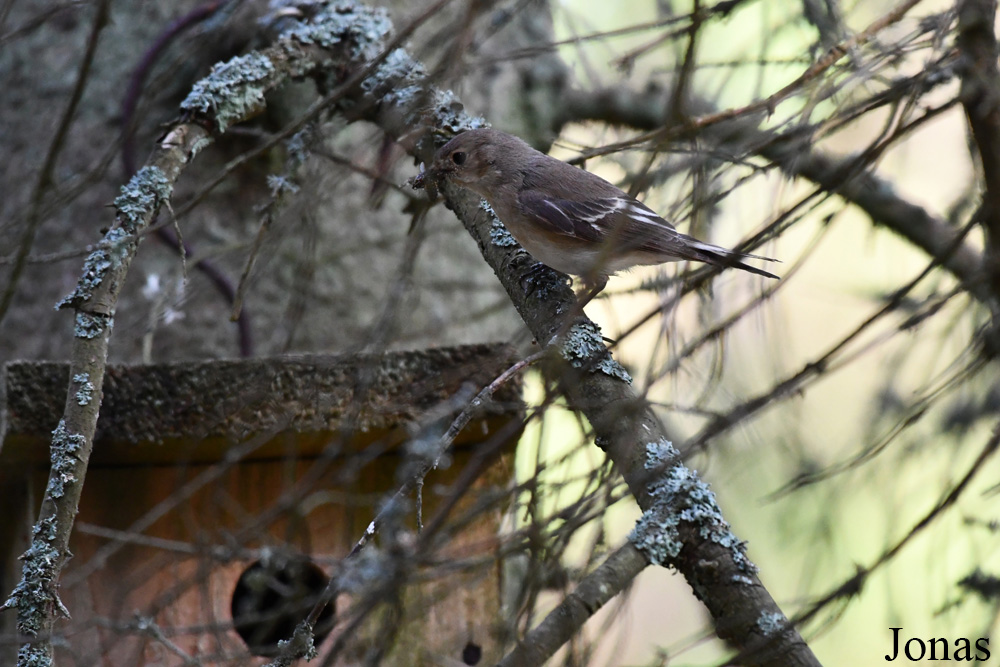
[474, 160]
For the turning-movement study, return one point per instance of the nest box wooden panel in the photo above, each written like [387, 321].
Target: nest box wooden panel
[230, 489]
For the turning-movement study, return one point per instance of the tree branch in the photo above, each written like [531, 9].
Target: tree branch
[980, 95]
[93, 301]
[794, 156]
[592, 593]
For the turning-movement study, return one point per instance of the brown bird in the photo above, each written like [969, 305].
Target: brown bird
[567, 218]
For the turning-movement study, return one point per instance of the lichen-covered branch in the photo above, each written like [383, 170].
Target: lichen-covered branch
[717, 569]
[93, 301]
[398, 96]
[233, 92]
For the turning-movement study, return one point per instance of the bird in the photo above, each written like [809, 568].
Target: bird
[567, 218]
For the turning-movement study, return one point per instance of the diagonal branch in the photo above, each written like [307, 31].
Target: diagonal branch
[609, 579]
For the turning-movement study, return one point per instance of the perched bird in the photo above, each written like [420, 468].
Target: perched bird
[571, 220]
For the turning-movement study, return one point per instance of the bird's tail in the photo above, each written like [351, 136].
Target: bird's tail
[719, 256]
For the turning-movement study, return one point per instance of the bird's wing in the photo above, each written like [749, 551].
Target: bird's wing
[627, 225]
[621, 220]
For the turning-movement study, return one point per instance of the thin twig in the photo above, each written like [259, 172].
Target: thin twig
[46, 175]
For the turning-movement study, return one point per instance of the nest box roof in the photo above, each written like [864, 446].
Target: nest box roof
[196, 411]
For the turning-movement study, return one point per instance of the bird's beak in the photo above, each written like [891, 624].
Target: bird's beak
[427, 180]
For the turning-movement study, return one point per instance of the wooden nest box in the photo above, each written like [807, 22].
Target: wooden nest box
[222, 496]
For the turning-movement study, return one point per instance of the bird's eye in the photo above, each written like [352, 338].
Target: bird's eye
[458, 157]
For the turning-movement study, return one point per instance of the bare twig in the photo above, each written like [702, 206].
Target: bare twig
[854, 585]
[46, 175]
[768, 104]
[173, 239]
